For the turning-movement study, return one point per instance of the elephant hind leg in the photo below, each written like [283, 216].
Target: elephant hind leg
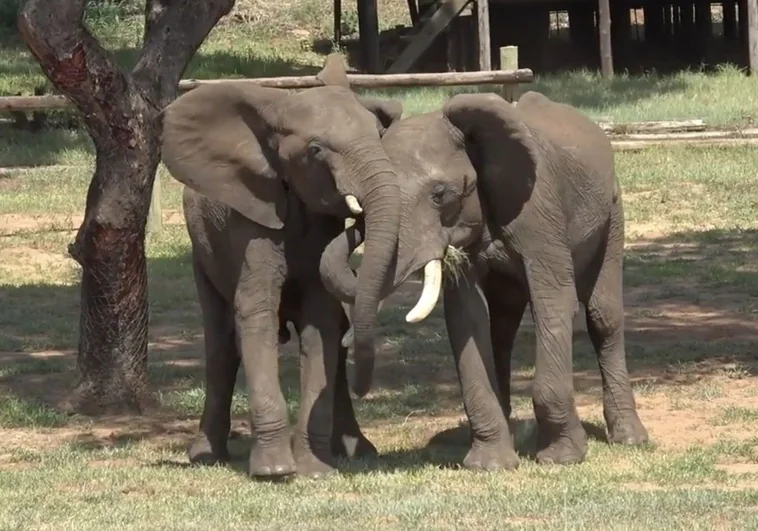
[221, 366]
[507, 301]
[561, 439]
[347, 438]
[605, 325]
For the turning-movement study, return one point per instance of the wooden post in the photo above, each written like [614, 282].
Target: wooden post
[604, 27]
[413, 11]
[668, 24]
[621, 33]
[337, 21]
[742, 21]
[752, 35]
[509, 61]
[703, 28]
[483, 34]
[653, 14]
[368, 28]
[730, 19]
[155, 214]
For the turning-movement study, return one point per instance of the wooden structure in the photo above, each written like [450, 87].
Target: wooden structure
[633, 35]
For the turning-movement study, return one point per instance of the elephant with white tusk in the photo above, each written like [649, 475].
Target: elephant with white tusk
[516, 205]
[270, 177]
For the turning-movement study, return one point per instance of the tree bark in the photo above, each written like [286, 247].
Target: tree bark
[122, 113]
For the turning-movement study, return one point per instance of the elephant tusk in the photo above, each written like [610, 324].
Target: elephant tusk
[429, 294]
[353, 204]
[356, 258]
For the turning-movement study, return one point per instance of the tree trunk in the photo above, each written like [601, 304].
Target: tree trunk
[122, 113]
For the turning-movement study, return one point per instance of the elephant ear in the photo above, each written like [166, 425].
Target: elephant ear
[386, 111]
[217, 140]
[509, 152]
[335, 73]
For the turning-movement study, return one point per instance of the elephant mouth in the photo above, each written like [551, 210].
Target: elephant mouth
[431, 273]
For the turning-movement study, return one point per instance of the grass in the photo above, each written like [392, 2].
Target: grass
[691, 327]
[271, 43]
[694, 379]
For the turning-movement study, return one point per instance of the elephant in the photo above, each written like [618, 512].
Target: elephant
[270, 177]
[503, 206]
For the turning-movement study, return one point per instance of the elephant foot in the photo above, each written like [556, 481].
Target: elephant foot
[271, 462]
[312, 467]
[202, 452]
[353, 447]
[627, 429]
[498, 455]
[568, 448]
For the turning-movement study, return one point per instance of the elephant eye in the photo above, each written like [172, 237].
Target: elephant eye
[316, 150]
[441, 194]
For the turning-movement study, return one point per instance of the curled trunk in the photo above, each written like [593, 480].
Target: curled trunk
[381, 204]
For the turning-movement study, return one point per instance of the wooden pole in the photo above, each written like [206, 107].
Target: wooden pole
[368, 28]
[730, 19]
[604, 28]
[483, 33]
[509, 61]
[421, 79]
[752, 35]
[337, 22]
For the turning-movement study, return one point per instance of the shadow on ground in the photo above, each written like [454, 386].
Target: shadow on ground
[689, 315]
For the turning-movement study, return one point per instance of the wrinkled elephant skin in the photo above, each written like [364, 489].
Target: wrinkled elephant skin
[270, 178]
[527, 194]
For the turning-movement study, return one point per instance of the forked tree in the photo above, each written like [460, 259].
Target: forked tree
[122, 113]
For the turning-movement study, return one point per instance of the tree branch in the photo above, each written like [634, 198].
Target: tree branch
[174, 30]
[78, 66]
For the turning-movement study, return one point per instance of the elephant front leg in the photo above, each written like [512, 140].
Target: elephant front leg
[561, 437]
[257, 325]
[506, 301]
[319, 331]
[467, 320]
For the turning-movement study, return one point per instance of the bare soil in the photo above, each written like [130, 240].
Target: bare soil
[680, 405]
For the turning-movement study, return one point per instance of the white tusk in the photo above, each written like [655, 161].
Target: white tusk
[429, 294]
[356, 258]
[353, 204]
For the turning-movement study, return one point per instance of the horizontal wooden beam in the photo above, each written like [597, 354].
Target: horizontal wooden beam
[671, 126]
[372, 81]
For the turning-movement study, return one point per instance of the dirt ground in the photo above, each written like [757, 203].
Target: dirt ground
[680, 404]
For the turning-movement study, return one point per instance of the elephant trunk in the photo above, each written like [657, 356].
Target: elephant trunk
[336, 273]
[381, 203]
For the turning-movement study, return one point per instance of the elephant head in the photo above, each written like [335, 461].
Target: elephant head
[246, 145]
[476, 159]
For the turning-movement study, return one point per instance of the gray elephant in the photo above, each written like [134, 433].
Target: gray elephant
[523, 205]
[270, 177]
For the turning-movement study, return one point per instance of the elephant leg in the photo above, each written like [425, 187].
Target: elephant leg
[605, 324]
[347, 438]
[506, 302]
[256, 308]
[561, 437]
[221, 365]
[319, 331]
[467, 320]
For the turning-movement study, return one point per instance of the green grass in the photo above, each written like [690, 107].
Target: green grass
[691, 235]
[132, 474]
[277, 41]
